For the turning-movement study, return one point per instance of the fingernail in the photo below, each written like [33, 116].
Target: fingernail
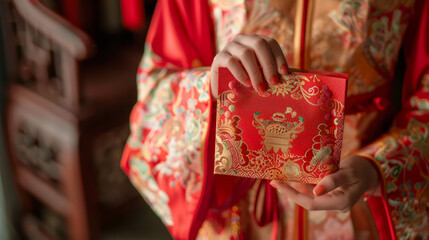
[275, 186]
[319, 190]
[261, 87]
[274, 80]
[248, 82]
[283, 69]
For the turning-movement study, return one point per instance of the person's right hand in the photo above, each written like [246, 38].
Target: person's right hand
[338, 191]
[243, 55]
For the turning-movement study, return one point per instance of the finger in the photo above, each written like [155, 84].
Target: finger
[328, 183]
[339, 199]
[214, 70]
[249, 62]
[303, 199]
[264, 55]
[233, 64]
[282, 66]
[302, 187]
[342, 198]
[298, 186]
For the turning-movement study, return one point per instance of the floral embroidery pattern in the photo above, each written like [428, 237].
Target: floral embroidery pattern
[294, 84]
[384, 40]
[399, 159]
[361, 38]
[148, 187]
[167, 126]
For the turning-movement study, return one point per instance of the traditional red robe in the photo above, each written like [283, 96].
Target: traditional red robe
[169, 154]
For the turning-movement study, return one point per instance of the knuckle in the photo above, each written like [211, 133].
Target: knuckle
[228, 45]
[260, 43]
[246, 53]
[238, 36]
[216, 60]
[220, 55]
[240, 75]
[230, 61]
[334, 181]
[271, 41]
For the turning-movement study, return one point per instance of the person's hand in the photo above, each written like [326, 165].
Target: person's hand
[338, 191]
[243, 55]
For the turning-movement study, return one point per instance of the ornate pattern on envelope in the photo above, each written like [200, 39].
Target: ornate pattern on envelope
[292, 132]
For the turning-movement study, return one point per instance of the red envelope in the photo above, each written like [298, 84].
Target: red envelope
[292, 133]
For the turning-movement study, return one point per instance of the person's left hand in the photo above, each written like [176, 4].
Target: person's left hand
[338, 191]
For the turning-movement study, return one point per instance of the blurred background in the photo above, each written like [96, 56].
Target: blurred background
[67, 86]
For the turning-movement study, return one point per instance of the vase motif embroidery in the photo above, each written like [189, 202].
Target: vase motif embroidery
[279, 132]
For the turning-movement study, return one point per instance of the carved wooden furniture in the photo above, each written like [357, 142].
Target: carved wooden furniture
[67, 123]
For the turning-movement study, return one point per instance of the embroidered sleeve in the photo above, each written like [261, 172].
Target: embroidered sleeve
[163, 153]
[402, 155]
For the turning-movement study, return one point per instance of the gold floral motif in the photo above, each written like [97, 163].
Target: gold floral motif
[322, 155]
[294, 85]
[284, 88]
[223, 158]
[292, 169]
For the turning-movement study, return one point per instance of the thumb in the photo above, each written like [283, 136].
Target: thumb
[214, 81]
[331, 182]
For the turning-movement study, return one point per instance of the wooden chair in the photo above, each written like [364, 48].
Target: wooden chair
[67, 123]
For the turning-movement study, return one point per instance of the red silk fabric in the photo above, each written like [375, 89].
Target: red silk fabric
[182, 33]
[133, 16]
